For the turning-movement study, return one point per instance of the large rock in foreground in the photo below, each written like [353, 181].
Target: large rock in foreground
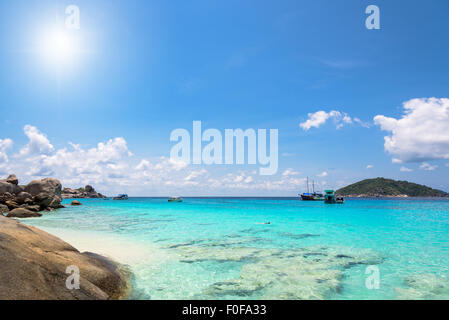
[34, 264]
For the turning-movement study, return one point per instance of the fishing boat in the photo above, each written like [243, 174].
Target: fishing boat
[121, 197]
[175, 199]
[313, 196]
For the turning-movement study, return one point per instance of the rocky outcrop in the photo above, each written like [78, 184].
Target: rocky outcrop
[75, 203]
[23, 213]
[37, 265]
[6, 187]
[24, 197]
[12, 179]
[46, 192]
[38, 195]
[81, 193]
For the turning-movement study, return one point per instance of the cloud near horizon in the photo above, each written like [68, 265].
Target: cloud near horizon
[112, 168]
[421, 134]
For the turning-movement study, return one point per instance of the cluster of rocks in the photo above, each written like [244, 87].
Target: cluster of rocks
[81, 193]
[27, 201]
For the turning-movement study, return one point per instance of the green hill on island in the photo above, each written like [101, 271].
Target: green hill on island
[381, 187]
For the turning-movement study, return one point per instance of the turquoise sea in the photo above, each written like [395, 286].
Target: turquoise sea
[220, 248]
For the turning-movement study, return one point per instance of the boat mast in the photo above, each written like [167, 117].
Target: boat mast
[308, 185]
[313, 186]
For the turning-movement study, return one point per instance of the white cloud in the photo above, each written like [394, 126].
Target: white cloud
[195, 174]
[428, 167]
[422, 133]
[322, 174]
[168, 164]
[111, 168]
[315, 120]
[37, 144]
[360, 122]
[396, 160]
[5, 144]
[318, 118]
[144, 165]
[248, 180]
[405, 169]
[106, 160]
[370, 166]
[290, 172]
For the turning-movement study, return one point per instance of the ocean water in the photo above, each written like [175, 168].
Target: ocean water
[220, 248]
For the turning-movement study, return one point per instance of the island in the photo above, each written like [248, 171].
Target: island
[382, 187]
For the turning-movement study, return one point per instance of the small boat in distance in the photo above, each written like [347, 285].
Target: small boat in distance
[175, 199]
[339, 199]
[121, 197]
[314, 196]
[331, 198]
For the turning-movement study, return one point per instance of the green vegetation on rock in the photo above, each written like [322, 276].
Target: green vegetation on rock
[388, 187]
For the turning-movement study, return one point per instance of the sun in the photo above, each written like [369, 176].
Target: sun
[59, 47]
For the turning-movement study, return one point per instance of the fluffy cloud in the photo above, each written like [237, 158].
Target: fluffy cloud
[318, 118]
[370, 166]
[195, 174]
[428, 167]
[78, 164]
[405, 169]
[144, 165]
[112, 168]
[5, 144]
[38, 142]
[421, 134]
[315, 120]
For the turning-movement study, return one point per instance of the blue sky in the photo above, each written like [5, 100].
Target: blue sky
[145, 68]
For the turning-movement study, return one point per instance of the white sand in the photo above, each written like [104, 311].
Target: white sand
[116, 247]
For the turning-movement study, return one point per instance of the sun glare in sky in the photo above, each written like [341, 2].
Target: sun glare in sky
[59, 48]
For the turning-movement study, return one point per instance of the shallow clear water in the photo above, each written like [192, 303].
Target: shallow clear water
[217, 248]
